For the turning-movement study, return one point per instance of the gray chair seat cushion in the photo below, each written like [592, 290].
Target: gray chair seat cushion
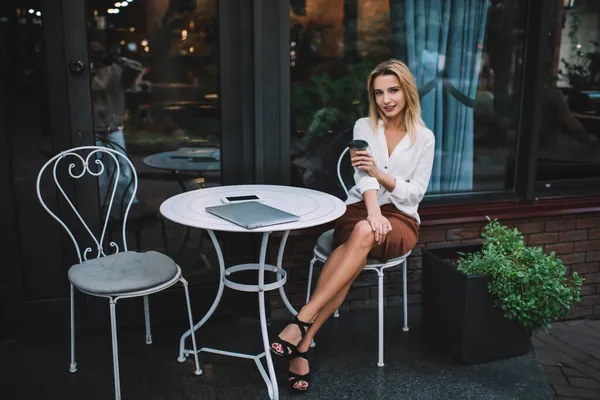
[325, 247]
[123, 272]
[325, 243]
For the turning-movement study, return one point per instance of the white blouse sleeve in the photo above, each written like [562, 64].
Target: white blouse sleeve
[362, 179]
[411, 192]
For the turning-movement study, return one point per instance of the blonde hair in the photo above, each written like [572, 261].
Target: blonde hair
[411, 114]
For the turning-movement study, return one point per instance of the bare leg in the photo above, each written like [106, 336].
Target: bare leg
[291, 333]
[325, 313]
[341, 269]
[333, 260]
[299, 365]
[352, 261]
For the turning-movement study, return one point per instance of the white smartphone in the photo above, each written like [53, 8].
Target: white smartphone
[240, 198]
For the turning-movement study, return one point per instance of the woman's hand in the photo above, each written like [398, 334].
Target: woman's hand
[381, 227]
[363, 160]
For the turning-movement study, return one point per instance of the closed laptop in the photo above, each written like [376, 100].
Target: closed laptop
[252, 214]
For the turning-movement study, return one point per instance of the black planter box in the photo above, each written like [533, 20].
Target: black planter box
[459, 314]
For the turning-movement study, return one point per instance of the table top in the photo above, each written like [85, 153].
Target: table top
[193, 159]
[313, 207]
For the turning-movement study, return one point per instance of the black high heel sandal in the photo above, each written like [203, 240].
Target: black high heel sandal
[289, 348]
[295, 378]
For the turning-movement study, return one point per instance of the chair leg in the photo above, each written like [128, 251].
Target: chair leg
[73, 366]
[310, 274]
[404, 286]
[198, 371]
[147, 318]
[309, 286]
[380, 301]
[115, 348]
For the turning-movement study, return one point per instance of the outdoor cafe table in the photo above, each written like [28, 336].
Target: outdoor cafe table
[186, 159]
[313, 207]
[197, 160]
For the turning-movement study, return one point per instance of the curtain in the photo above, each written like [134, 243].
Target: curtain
[441, 41]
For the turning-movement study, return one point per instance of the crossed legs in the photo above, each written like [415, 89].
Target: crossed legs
[340, 270]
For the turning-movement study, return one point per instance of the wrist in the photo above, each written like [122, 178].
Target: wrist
[373, 213]
[378, 174]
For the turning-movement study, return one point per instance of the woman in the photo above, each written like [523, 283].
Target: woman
[381, 220]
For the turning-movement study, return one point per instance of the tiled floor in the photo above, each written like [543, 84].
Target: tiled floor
[570, 356]
[344, 366]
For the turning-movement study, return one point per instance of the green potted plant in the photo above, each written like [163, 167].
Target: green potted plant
[483, 302]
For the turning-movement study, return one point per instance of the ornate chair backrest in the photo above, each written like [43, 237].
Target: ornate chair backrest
[91, 161]
[339, 170]
[105, 197]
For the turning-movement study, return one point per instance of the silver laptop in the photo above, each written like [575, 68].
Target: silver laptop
[252, 214]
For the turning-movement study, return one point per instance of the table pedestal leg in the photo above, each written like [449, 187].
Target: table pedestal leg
[268, 375]
[263, 319]
[284, 297]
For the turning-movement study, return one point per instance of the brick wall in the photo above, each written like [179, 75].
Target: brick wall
[574, 238]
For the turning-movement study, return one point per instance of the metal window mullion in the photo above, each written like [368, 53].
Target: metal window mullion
[285, 96]
[536, 47]
[258, 92]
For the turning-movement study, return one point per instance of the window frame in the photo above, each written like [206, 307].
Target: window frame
[255, 93]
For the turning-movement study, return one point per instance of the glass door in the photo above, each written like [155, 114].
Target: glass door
[154, 77]
[142, 77]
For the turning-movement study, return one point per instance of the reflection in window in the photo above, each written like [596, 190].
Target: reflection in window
[466, 56]
[155, 92]
[168, 54]
[568, 147]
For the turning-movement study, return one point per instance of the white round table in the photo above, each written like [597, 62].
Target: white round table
[313, 207]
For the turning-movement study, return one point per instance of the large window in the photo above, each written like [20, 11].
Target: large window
[569, 148]
[466, 55]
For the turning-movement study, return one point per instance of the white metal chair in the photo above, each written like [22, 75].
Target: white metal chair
[324, 248]
[118, 275]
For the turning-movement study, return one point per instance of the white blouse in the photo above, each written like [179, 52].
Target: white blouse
[410, 164]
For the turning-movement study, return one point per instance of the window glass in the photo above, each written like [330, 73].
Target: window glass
[155, 90]
[568, 146]
[466, 56]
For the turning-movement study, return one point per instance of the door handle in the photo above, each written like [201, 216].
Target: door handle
[76, 67]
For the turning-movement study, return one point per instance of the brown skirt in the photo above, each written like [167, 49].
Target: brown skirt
[402, 238]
